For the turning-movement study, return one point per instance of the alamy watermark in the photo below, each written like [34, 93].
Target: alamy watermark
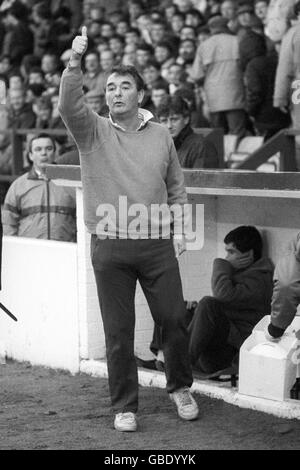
[296, 92]
[136, 221]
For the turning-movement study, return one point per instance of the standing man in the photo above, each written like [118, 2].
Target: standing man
[34, 207]
[128, 158]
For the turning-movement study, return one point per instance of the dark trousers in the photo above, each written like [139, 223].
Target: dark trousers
[209, 333]
[232, 122]
[118, 264]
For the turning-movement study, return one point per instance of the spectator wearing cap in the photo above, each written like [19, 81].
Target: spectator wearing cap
[217, 67]
[192, 149]
[18, 40]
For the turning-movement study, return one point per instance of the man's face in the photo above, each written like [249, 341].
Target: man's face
[106, 60]
[177, 23]
[157, 32]
[161, 54]
[261, 10]
[35, 78]
[150, 74]
[157, 96]
[187, 33]
[95, 103]
[174, 74]
[17, 99]
[106, 30]
[236, 258]
[187, 50]
[91, 63]
[122, 28]
[122, 96]
[232, 253]
[49, 64]
[129, 56]
[42, 153]
[174, 123]
[131, 37]
[116, 46]
[142, 57]
[228, 10]
[245, 19]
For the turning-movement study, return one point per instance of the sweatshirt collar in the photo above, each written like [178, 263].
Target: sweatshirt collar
[144, 115]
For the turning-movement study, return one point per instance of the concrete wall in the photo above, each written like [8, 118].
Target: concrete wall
[40, 289]
[50, 286]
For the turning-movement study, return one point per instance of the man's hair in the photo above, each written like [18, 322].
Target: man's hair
[129, 70]
[173, 105]
[297, 8]
[160, 84]
[42, 135]
[152, 63]
[245, 238]
[145, 47]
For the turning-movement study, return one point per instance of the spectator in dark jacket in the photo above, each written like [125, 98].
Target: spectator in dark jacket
[192, 149]
[18, 40]
[259, 73]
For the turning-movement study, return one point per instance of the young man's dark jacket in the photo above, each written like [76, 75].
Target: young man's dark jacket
[194, 151]
[245, 294]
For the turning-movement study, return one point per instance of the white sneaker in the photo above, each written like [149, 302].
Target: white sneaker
[125, 422]
[187, 408]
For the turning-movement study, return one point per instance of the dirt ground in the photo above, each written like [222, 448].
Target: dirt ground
[47, 409]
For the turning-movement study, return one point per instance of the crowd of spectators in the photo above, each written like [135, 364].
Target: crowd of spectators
[220, 56]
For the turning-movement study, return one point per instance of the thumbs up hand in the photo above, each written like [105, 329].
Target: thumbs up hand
[80, 44]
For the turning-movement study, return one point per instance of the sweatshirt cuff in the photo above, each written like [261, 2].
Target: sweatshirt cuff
[275, 331]
[221, 264]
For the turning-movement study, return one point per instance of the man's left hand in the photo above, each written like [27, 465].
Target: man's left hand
[271, 338]
[179, 246]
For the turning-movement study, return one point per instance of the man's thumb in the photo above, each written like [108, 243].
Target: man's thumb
[84, 32]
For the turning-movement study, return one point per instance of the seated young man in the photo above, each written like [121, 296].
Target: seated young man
[241, 296]
[286, 292]
[242, 289]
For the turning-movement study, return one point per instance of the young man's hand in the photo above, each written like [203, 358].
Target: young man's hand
[80, 45]
[271, 338]
[243, 261]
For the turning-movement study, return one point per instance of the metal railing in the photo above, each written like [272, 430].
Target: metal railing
[283, 143]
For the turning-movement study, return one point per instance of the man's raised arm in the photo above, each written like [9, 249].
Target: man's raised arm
[80, 120]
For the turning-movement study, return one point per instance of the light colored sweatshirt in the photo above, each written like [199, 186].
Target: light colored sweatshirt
[121, 168]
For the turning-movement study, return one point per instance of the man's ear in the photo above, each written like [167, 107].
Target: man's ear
[29, 157]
